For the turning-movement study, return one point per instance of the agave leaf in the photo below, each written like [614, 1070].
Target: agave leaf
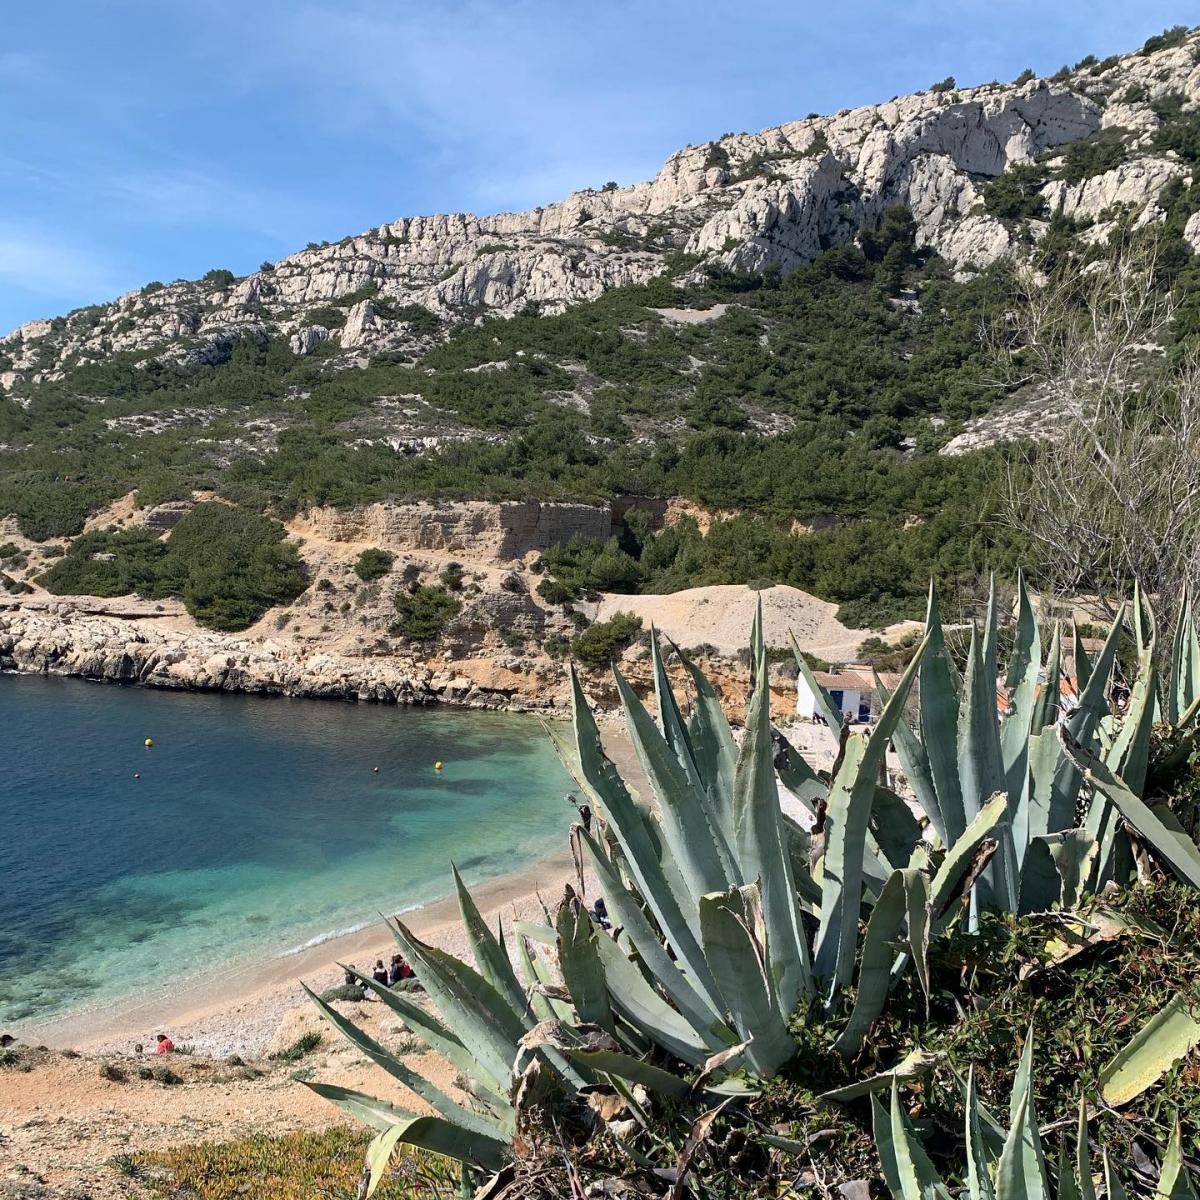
[490, 956]
[543, 1008]
[829, 712]
[647, 1011]
[918, 919]
[1046, 706]
[713, 748]
[914, 762]
[579, 962]
[1083, 1165]
[939, 724]
[670, 719]
[1130, 753]
[695, 999]
[1167, 1037]
[535, 931]
[851, 796]
[1041, 812]
[441, 1040]
[1021, 685]
[979, 1158]
[981, 774]
[736, 944]
[915, 1174]
[429, 1092]
[478, 1015]
[655, 874]
[704, 857]
[796, 775]
[1083, 662]
[427, 1133]
[1173, 1181]
[915, 1063]
[874, 975]
[379, 1153]
[1022, 1168]
[1113, 1188]
[1180, 855]
[897, 832]
[1082, 725]
[1185, 663]
[633, 1070]
[762, 851]
[960, 856]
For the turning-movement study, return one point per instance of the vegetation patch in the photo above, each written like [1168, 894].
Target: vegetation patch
[227, 564]
[424, 612]
[295, 1166]
[600, 643]
[373, 564]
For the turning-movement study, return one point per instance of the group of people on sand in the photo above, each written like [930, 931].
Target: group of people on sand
[396, 973]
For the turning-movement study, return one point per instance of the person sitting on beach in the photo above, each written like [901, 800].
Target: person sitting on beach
[349, 976]
[398, 970]
[379, 974]
[165, 1045]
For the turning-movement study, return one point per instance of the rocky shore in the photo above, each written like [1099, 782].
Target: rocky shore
[150, 645]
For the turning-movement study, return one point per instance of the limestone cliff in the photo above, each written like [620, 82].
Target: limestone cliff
[747, 200]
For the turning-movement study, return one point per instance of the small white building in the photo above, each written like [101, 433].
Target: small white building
[848, 690]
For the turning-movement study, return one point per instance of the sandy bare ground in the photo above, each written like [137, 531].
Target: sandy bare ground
[721, 616]
[61, 1121]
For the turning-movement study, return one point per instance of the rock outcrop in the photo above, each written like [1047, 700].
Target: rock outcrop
[748, 201]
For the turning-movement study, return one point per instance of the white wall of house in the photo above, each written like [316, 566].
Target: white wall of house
[848, 699]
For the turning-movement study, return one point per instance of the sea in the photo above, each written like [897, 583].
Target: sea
[250, 827]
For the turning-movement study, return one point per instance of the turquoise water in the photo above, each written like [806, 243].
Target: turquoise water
[258, 826]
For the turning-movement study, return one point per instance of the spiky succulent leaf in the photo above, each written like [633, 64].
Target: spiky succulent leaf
[939, 724]
[434, 1134]
[848, 813]
[736, 944]
[761, 848]
[1169, 1035]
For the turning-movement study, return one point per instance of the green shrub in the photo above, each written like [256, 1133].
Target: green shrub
[554, 592]
[452, 576]
[1014, 195]
[1094, 155]
[373, 564]
[424, 612]
[1175, 36]
[947, 85]
[218, 278]
[228, 566]
[599, 644]
[305, 1044]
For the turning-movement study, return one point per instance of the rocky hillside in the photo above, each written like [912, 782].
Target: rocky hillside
[778, 338]
[743, 201]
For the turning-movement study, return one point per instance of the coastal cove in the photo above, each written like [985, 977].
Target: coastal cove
[250, 833]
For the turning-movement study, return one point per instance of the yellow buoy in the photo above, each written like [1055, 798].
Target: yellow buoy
[149, 741]
[437, 766]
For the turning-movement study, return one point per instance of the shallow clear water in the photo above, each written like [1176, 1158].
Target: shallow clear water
[257, 826]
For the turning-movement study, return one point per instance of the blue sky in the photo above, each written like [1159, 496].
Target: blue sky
[154, 139]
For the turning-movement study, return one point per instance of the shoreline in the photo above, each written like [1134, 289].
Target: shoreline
[237, 1008]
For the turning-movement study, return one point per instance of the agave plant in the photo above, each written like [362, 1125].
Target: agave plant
[731, 918]
[727, 921]
[1009, 1164]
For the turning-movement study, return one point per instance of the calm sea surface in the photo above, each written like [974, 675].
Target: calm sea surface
[256, 826]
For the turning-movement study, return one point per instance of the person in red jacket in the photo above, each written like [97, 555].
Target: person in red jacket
[165, 1045]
